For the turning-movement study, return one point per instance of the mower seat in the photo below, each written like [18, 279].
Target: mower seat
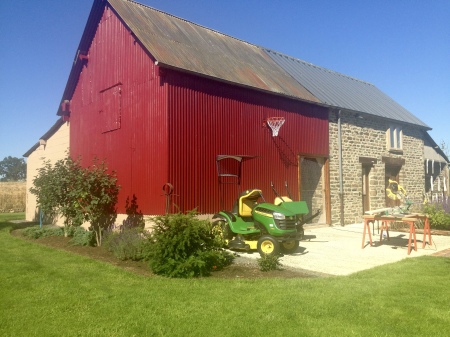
[278, 201]
[247, 201]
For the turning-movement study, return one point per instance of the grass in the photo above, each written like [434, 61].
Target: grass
[45, 292]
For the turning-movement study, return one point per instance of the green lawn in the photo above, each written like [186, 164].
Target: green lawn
[45, 292]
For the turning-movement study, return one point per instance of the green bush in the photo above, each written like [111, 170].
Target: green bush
[269, 262]
[79, 194]
[184, 246]
[37, 232]
[127, 244]
[438, 214]
[82, 237]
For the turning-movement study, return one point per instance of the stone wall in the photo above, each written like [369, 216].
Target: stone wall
[12, 196]
[364, 139]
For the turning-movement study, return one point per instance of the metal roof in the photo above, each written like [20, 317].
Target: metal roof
[343, 91]
[176, 43]
[431, 154]
[432, 151]
[187, 46]
[46, 136]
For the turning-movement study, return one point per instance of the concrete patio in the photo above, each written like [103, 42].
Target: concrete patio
[337, 250]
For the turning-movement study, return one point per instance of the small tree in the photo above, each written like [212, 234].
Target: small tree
[57, 190]
[78, 194]
[99, 199]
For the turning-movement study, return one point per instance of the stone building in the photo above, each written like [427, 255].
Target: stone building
[371, 139]
[436, 172]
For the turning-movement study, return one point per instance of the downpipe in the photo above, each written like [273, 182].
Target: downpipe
[341, 179]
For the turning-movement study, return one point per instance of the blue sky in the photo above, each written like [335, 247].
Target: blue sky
[400, 46]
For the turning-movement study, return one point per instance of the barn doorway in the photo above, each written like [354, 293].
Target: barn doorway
[314, 187]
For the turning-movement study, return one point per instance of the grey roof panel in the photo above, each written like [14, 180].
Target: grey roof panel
[178, 43]
[431, 154]
[432, 151]
[343, 91]
[46, 136]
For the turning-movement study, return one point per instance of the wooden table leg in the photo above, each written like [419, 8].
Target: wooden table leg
[412, 233]
[366, 229]
[384, 227]
[426, 230]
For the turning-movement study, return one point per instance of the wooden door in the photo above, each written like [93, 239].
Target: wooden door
[314, 186]
[391, 172]
[365, 187]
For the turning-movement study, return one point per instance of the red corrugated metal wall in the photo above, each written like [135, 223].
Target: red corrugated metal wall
[120, 75]
[155, 127]
[208, 118]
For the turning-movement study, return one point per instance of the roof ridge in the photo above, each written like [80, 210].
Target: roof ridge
[318, 67]
[191, 22]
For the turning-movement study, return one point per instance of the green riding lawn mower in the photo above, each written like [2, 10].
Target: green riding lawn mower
[256, 224]
[253, 223]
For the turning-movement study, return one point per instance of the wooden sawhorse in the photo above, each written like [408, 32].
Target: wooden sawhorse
[409, 219]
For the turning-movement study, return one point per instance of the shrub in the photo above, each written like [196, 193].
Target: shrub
[184, 246]
[439, 214]
[269, 262]
[82, 237]
[80, 194]
[127, 244]
[37, 232]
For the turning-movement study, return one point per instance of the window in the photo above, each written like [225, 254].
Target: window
[111, 106]
[394, 137]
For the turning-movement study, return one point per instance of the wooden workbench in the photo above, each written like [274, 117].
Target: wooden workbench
[407, 218]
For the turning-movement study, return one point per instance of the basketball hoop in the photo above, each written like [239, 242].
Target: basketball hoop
[275, 124]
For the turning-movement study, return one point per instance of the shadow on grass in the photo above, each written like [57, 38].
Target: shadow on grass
[13, 226]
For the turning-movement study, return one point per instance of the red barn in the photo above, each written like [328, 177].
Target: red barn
[159, 98]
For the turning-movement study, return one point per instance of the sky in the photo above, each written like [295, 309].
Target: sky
[400, 46]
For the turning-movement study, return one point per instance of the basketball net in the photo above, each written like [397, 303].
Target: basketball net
[275, 124]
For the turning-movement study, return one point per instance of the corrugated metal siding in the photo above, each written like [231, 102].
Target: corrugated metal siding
[342, 91]
[185, 45]
[138, 149]
[208, 118]
[173, 125]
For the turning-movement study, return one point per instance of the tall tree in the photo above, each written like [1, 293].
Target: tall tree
[13, 169]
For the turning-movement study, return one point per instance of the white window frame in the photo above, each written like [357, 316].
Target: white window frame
[394, 137]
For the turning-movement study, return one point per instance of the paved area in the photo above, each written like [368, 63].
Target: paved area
[337, 250]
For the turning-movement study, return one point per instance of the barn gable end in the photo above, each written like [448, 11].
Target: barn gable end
[157, 125]
[118, 112]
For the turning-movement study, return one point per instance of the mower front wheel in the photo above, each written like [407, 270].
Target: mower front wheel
[290, 247]
[268, 245]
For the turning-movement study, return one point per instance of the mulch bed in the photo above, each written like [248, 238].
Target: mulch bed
[241, 268]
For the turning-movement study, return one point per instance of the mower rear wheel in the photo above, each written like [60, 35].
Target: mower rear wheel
[222, 229]
[290, 247]
[268, 245]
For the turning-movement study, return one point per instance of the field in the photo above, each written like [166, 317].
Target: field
[52, 292]
[12, 196]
